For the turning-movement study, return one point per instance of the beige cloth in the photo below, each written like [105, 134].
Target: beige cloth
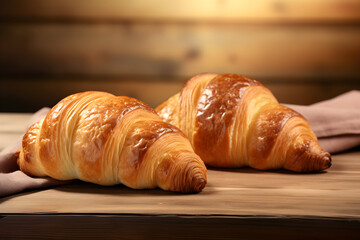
[12, 180]
[336, 122]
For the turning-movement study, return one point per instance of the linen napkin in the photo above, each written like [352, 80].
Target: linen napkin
[336, 122]
[12, 180]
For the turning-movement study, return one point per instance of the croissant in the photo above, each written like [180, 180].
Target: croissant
[100, 138]
[234, 121]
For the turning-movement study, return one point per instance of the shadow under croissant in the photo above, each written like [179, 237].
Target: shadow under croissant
[120, 190]
[256, 171]
[81, 187]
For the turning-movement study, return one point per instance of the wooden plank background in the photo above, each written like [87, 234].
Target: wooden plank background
[188, 10]
[305, 51]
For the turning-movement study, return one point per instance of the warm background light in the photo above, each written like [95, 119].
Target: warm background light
[304, 51]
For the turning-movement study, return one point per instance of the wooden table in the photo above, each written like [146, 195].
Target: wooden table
[238, 203]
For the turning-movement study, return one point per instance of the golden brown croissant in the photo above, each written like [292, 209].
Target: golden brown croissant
[107, 140]
[233, 121]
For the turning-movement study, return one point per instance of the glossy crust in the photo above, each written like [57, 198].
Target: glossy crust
[234, 121]
[108, 140]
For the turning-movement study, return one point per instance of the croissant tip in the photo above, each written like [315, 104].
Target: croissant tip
[196, 184]
[324, 162]
[310, 159]
[327, 161]
[199, 183]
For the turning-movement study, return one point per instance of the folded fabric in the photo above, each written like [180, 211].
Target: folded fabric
[12, 180]
[336, 122]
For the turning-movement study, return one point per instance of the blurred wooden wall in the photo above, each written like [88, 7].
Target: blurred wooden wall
[303, 50]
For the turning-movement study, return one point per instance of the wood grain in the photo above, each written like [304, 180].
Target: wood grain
[309, 45]
[179, 50]
[173, 227]
[239, 192]
[13, 122]
[29, 95]
[12, 128]
[186, 10]
[34, 94]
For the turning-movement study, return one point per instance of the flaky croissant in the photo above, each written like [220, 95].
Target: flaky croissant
[107, 140]
[233, 121]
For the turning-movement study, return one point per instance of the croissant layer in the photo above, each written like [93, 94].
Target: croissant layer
[104, 139]
[233, 121]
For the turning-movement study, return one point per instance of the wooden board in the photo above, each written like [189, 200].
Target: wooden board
[13, 122]
[202, 10]
[236, 203]
[173, 227]
[12, 127]
[179, 50]
[237, 192]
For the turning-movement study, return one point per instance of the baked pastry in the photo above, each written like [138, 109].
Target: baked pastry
[234, 121]
[100, 138]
